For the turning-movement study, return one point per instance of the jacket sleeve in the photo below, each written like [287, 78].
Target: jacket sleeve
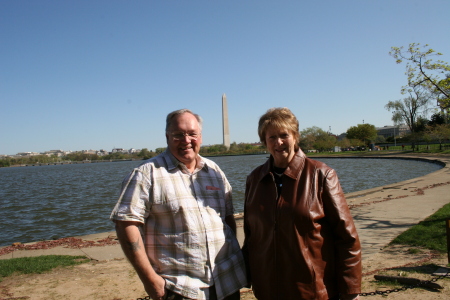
[348, 247]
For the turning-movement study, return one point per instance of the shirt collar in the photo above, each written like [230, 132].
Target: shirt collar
[173, 162]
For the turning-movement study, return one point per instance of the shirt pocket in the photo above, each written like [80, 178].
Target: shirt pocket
[165, 199]
[215, 200]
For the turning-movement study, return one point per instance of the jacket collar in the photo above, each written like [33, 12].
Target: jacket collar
[293, 170]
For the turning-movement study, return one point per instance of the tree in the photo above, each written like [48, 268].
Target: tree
[443, 99]
[423, 71]
[410, 108]
[316, 138]
[326, 143]
[145, 154]
[160, 150]
[363, 132]
[308, 137]
[380, 139]
[344, 143]
[5, 163]
[217, 148]
[421, 124]
[436, 119]
[439, 132]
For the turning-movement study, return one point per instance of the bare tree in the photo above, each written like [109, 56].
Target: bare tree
[410, 108]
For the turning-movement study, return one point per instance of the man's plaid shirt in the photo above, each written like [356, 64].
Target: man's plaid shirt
[185, 234]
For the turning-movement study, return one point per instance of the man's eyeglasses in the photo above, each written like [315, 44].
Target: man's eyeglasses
[178, 136]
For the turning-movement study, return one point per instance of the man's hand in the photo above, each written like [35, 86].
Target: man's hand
[155, 287]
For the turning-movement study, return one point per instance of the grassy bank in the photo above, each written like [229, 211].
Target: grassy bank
[430, 233]
[37, 265]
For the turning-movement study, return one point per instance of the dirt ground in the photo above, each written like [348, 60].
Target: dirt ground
[116, 279]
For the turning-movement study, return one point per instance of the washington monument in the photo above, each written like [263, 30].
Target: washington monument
[226, 131]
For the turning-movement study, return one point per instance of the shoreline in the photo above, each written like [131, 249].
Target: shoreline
[358, 202]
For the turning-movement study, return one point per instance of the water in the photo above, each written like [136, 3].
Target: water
[50, 202]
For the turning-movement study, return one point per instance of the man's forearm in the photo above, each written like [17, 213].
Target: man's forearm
[133, 246]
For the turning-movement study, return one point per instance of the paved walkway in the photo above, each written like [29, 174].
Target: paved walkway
[380, 214]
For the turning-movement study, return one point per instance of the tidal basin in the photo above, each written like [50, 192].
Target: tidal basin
[51, 202]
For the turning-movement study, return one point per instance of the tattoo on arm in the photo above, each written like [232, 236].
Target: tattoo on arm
[134, 246]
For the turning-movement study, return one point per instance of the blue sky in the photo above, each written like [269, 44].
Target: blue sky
[80, 75]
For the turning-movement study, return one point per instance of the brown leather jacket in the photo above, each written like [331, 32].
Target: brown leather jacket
[303, 245]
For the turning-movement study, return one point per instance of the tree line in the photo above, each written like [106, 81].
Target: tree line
[235, 149]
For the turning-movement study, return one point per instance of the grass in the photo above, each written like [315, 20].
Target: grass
[430, 233]
[38, 264]
[414, 251]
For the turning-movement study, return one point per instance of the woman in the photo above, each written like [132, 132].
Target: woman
[300, 240]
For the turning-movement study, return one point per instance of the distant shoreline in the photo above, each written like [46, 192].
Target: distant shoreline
[369, 155]
[72, 162]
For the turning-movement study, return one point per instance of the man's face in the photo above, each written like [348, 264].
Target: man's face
[184, 139]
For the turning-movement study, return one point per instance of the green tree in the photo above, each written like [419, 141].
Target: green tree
[436, 119]
[5, 163]
[362, 132]
[218, 148]
[440, 132]
[443, 99]
[421, 124]
[380, 139]
[425, 72]
[118, 155]
[344, 143]
[234, 147]
[160, 150]
[316, 138]
[308, 137]
[326, 143]
[145, 153]
[357, 143]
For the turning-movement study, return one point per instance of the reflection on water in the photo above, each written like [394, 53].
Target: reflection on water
[47, 202]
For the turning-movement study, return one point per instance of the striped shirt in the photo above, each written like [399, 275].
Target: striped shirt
[186, 238]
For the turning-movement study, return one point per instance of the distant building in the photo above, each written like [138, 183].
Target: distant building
[119, 150]
[57, 153]
[393, 131]
[102, 152]
[28, 154]
[90, 152]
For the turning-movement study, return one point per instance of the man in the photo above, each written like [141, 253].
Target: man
[181, 202]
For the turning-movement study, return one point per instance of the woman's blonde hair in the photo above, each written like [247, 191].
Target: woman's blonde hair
[279, 118]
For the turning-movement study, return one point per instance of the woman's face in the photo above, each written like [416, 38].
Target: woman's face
[281, 144]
